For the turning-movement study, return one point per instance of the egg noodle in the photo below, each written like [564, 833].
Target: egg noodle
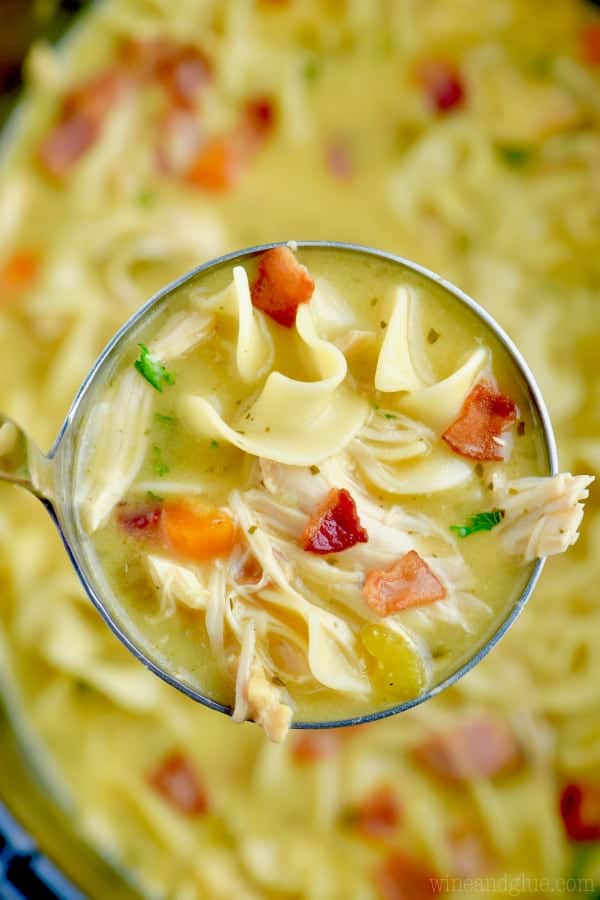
[496, 186]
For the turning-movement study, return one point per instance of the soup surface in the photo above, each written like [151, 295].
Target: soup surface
[488, 175]
[310, 484]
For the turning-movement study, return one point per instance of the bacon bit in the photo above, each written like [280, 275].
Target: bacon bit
[259, 115]
[408, 582]
[146, 519]
[281, 285]
[475, 748]
[339, 161]
[580, 811]
[18, 272]
[400, 877]
[379, 813]
[485, 414]
[589, 44]
[250, 572]
[471, 855]
[176, 780]
[443, 84]
[314, 746]
[80, 122]
[334, 526]
[183, 71]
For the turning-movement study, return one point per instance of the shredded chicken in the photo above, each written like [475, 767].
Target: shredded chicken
[541, 515]
[256, 697]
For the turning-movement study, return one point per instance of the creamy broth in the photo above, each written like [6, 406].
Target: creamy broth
[432, 489]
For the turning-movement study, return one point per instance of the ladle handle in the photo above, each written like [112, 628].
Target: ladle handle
[22, 462]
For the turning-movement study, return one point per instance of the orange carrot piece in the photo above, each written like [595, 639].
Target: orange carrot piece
[18, 272]
[197, 532]
[217, 167]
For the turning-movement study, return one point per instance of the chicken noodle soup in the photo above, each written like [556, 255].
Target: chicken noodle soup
[314, 485]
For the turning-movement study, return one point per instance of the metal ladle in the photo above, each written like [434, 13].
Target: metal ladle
[50, 478]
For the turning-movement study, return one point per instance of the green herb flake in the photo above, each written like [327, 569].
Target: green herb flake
[433, 336]
[314, 470]
[312, 69]
[145, 197]
[165, 420]
[383, 324]
[374, 301]
[390, 416]
[484, 521]
[252, 529]
[514, 155]
[214, 444]
[154, 372]
[156, 497]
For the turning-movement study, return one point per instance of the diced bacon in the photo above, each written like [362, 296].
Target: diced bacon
[177, 781]
[313, 746]
[485, 414]
[250, 572]
[475, 748]
[400, 877]
[218, 166]
[379, 813]
[183, 71]
[580, 811]
[589, 43]
[79, 126]
[259, 115]
[281, 285]
[443, 84]
[470, 853]
[144, 520]
[335, 525]
[408, 582]
[338, 161]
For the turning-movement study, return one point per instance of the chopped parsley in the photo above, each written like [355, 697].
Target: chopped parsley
[165, 420]
[383, 324]
[145, 197]
[484, 521]
[214, 444]
[252, 529]
[314, 470]
[312, 69]
[432, 336]
[152, 496]
[374, 301]
[152, 370]
[515, 155]
[159, 467]
[390, 416]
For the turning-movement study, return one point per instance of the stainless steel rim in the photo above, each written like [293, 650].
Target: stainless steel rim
[502, 337]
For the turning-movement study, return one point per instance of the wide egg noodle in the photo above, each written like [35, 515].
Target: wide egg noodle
[402, 364]
[254, 347]
[291, 421]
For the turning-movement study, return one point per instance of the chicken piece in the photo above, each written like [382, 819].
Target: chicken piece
[541, 515]
[256, 697]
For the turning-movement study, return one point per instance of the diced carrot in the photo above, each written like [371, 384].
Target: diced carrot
[580, 811]
[408, 582]
[281, 285]
[400, 877]
[334, 526]
[175, 778]
[312, 746]
[589, 43]
[218, 166]
[474, 748]
[18, 272]
[193, 531]
[379, 813]
[485, 415]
